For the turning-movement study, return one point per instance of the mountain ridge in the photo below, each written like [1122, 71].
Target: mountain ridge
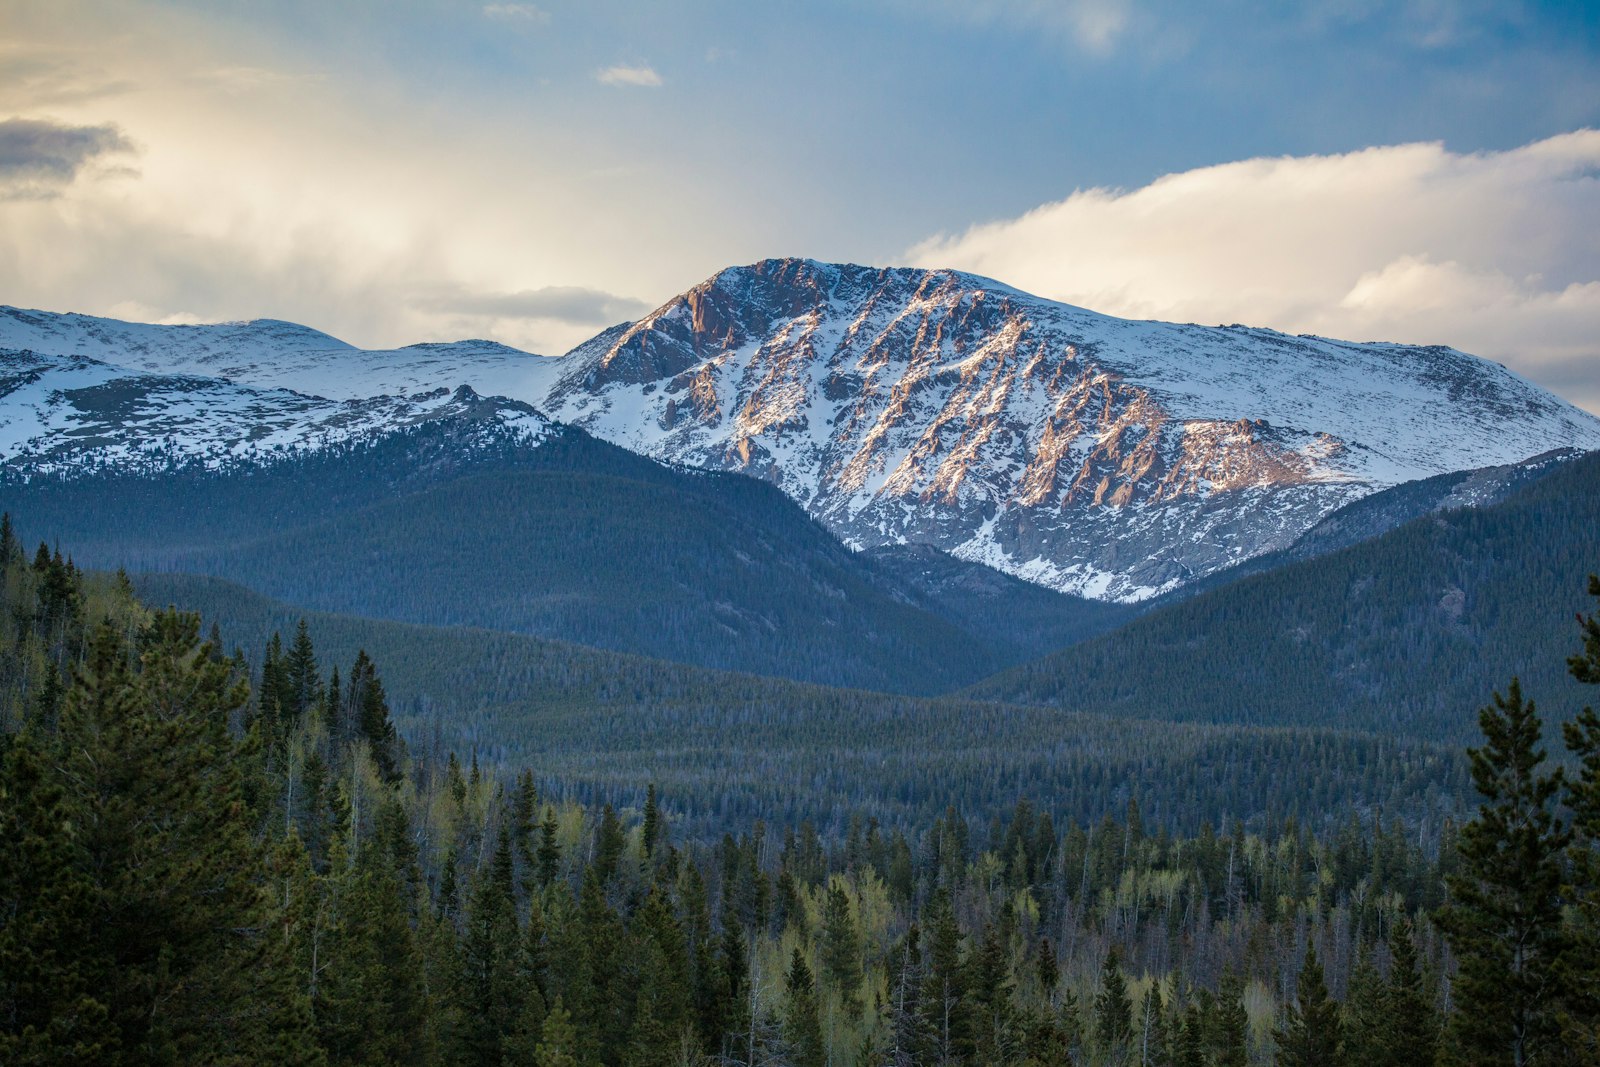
[1109, 458]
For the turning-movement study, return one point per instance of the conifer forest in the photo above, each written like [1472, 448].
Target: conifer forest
[213, 857]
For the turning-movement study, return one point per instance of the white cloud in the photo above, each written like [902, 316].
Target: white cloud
[643, 76]
[1495, 253]
[517, 13]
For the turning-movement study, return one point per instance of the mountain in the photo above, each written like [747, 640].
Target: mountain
[68, 416]
[1407, 633]
[1107, 457]
[271, 354]
[464, 517]
[1112, 459]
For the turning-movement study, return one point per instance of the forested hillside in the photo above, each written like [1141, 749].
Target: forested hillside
[198, 865]
[572, 538]
[1401, 634]
[734, 748]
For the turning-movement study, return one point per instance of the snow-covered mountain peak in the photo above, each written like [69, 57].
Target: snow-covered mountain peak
[1103, 456]
[1109, 457]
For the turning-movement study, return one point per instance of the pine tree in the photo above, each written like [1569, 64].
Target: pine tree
[996, 1033]
[163, 874]
[1411, 1035]
[1579, 971]
[1504, 915]
[661, 1008]
[945, 997]
[1153, 1039]
[559, 1045]
[651, 830]
[802, 1023]
[1365, 1017]
[302, 682]
[1309, 1036]
[1230, 1024]
[489, 998]
[841, 948]
[1113, 1011]
[548, 859]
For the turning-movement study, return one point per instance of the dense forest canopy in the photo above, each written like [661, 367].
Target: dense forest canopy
[208, 860]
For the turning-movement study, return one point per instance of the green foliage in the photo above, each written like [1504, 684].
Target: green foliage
[1504, 915]
[604, 725]
[1309, 1036]
[1395, 635]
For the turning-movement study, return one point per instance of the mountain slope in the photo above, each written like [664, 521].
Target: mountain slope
[733, 748]
[1107, 457]
[452, 521]
[1407, 633]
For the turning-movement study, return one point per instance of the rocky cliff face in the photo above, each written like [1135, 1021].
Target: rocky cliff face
[1099, 456]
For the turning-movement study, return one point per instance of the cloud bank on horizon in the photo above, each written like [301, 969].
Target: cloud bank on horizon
[1495, 253]
[1425, 171]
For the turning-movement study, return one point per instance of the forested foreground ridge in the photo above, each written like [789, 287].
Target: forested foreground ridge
[201, 862]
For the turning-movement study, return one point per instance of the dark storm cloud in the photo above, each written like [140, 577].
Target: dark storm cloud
[38, 157]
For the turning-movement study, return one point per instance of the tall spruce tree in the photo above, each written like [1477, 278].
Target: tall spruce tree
[1113, 1011]
[1579, 1012]
[1410, 1033]
[1504, 913]
[802, 1020]
[1309, 1036]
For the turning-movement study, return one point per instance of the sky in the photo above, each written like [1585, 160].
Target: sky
[395, 171]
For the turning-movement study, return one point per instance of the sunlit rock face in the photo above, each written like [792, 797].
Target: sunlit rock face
[1106, 457]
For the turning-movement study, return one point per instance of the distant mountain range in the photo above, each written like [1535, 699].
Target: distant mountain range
[1108, 458]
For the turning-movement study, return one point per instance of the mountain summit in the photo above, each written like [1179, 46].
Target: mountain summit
[1101, 456]
[1105, 457]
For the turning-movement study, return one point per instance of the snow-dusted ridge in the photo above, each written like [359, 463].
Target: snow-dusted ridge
[1108, 457]
[68, 415]
[269, 353]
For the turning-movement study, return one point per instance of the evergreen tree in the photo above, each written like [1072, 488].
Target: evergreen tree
[1365, 1016]
[802, 1023]
[945, 997]
[160, 886]
[1504, 915]
[1411, 1032]
[1309, 1036]
[651, 829]
[1113, 1011]
[489, 995]
[662, 1011]
[559, 1045]
[301, 679]
[841, 948]
[1579, 971]
[548, 859]
[1230, 1024]
[995, 1031]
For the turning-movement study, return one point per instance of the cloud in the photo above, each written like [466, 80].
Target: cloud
[560, 303]
[1495, 253]
[643, 76]
[525, 13]
[39, 158]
